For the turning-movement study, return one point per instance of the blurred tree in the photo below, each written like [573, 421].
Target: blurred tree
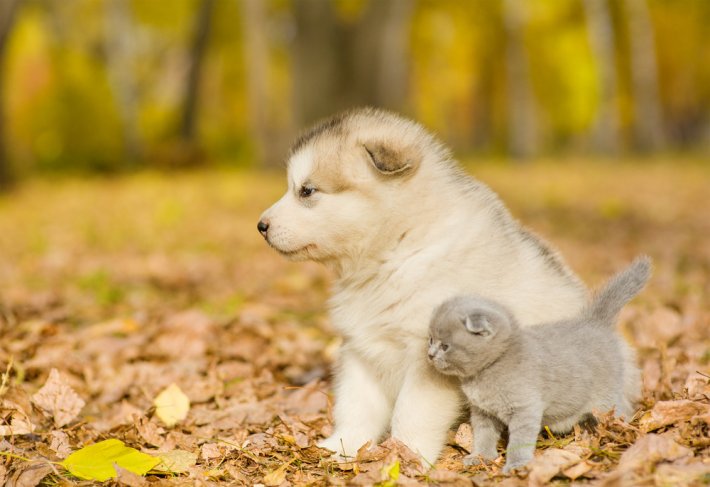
[8, 14]
[198, 49]
[522, 119]
[120, 41]
[648, 114]
[605, 130]
[256, 55]
[344, 62]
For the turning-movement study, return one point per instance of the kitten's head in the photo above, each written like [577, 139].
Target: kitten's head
[467, 333]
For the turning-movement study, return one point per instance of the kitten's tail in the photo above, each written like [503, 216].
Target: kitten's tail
[619, 290]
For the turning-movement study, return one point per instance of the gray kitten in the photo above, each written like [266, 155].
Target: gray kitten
[552, 374]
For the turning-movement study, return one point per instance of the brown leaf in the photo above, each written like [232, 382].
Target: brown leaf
[681, 473]
[57, 398]
[665, 413]
[29, 474]
[128, 478]
[276, 477]
[464, 436]
[651, 449]
[698, 387]
[60, 444]
[550, 463]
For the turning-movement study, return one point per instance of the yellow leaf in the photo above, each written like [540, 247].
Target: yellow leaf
[95, 462]
[171, 405]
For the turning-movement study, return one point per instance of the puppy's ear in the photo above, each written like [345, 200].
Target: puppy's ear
[391, 160]
[478, 324]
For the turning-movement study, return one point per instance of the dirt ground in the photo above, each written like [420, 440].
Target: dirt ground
[130, 284]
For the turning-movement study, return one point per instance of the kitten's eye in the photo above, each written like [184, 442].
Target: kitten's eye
[306, 191]
[444, 347]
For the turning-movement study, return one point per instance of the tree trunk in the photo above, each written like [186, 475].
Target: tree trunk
[340, 64]
[605, 131]
[381, 45]
[120, 39]
[201, 32]
[8, 15]
[268, 141]
[317, 77]
[522, 123]
[648, 123]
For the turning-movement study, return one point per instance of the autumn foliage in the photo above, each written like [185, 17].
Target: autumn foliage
[145, 318]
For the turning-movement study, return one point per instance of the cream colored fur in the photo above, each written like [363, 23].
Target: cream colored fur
[403, 229]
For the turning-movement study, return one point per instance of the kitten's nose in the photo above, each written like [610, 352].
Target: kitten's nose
[263, 227]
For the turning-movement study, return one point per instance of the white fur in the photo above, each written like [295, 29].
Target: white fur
[400, 245]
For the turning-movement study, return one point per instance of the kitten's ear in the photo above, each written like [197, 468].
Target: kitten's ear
[478, 324]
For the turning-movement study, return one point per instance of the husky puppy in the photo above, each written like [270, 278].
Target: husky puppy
[552, 374]
[378, 200]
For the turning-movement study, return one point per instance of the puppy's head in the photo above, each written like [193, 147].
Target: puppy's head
[466, 334]
[345, 178]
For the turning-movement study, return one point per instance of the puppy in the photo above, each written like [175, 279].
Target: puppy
[553, 374]
[378, 200]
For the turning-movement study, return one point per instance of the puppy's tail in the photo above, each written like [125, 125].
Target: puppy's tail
[619, 290]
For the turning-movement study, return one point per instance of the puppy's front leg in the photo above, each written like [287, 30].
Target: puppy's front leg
[425, 409]
[362, 410]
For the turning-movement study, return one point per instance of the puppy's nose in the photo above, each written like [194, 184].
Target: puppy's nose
[431, 354]
[263, 227]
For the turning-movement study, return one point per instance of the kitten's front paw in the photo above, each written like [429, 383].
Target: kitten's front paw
[511, 466]
[473, 459]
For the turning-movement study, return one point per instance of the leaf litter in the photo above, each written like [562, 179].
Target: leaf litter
[205, 305]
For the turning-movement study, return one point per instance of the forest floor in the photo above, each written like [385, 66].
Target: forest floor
[130, 284]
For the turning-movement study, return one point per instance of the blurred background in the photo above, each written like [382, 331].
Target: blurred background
[109, 85]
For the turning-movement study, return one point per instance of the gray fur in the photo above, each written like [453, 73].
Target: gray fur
[551, 374]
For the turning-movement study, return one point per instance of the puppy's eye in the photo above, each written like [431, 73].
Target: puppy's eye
[444, 347]
[306, 191]
[431, 341]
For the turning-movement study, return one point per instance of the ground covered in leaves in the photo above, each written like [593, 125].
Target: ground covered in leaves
[114, 292]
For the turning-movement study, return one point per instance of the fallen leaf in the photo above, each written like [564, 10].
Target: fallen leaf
[128, 478]
[464, 436]
[17, 426]
[60, 444]
[698, 386]
[681, 474]
[29, 475]
[665, 413]
[57, 398]
[171, 405]
[650, 449]
[550, 463]
[276, 477]
[578, 470]
[176, 461]
[95, 462]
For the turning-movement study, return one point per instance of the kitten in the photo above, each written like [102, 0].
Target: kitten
[552, 374]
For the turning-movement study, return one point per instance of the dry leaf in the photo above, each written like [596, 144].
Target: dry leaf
[128, 478]
[550, 463]
[58, 399]
[176, 461]
[276, 477]
[650, 449]
[464, 436]
[171, 405]
[60, 444]
[29, 475]
[665, 413]
[17, 426]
